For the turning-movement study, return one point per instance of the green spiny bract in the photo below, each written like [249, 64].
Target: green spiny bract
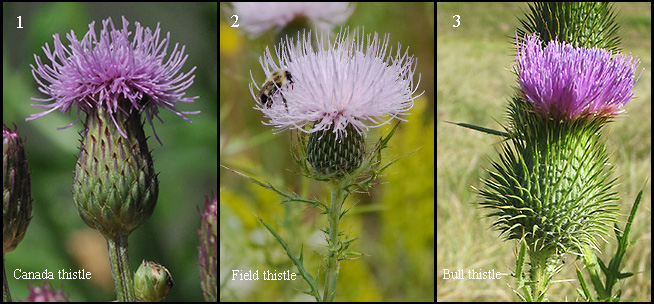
[333, 156]
[115, 187]
[589, 24]
[552, 182]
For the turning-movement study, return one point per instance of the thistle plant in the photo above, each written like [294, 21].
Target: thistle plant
[551, 189]
[16, 197]
[552, 186]
[114, 79]
[334, 94]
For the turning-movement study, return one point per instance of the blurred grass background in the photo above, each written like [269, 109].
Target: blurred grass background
[57, 239]
[394, 221]
[473, 87]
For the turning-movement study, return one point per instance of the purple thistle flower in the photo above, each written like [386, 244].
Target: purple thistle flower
[565, 82]
[350, 82]
[113, 73]
[45, 294]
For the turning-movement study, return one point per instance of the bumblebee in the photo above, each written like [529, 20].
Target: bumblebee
[274, 82]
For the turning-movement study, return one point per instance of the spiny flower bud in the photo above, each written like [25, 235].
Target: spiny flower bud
[332, 155]
[152, 282]
[115, 187]
[16, 192]
[207, 252]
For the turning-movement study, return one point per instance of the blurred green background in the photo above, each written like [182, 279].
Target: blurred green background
[57, 239]
[473, 87]
[394, 221]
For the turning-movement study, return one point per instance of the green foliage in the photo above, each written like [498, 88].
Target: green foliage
[338, 243]
[596, 267]
[298, 262]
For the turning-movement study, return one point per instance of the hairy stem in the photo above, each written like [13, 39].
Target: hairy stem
[334, 244]
[120, 269]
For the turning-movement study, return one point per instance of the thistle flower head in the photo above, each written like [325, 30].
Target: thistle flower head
[352, 81]
[16, 191]
[114, 77]
[208, 250]
[340, 90]
[564, 82]
[114, 73]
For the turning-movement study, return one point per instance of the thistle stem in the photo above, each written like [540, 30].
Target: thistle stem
[120, 269]
[544, 265]
[334, 245]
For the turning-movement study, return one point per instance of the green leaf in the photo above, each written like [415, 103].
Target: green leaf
[298, 263]
[481, 129]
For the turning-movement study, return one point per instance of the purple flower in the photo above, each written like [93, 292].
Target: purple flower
[352, 81]
[45, 294]
[113, 72]
[565, 82]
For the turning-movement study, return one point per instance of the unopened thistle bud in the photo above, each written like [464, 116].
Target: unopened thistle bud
[152, 282]
[16, 192]
[115, 187]
[207, 252]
